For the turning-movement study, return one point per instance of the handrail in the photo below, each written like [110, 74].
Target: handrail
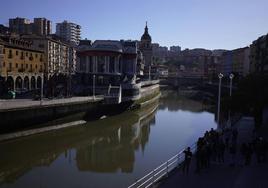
[153, 176]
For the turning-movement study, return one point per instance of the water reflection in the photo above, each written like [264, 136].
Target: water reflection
[112, 148]
[112, 152]
[106, 145]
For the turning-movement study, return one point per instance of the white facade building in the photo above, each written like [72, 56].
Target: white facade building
[69, 31]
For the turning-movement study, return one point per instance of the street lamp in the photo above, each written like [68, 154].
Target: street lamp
[231, 76]
[219, 98]
[94, 87]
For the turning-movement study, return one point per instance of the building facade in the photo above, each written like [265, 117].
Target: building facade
[22, 66]
[69, 31]
[259, 55]
[56, 54]
[240, 65]
[4, 29]
[175, 49]
[40, 26]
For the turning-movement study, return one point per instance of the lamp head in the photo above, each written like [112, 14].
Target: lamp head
[220, 76]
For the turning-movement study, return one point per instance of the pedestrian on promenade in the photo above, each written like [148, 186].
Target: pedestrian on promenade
[198, 155]
[248, 155]
[187, 160]
[221, 151]
[233, 154]
[234, 135]
[227, 137]
[261, 150]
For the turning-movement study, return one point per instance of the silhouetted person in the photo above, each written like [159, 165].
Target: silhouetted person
[261, 150]
[234, 135]
[187, 160]
[221, 150]
[233, 154]
[243, 151]
[248, 154]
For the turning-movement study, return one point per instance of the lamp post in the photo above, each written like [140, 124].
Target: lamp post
[219, 99]
[149, 72]
[94, 87]
[231, 76]
[42, 88]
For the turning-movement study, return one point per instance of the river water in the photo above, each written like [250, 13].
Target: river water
[112, 152]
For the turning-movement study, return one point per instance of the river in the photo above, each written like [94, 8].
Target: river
[112, 152]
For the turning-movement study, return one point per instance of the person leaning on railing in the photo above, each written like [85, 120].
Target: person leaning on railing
[187, 160]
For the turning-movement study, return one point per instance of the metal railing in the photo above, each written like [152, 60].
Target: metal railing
[163, 170]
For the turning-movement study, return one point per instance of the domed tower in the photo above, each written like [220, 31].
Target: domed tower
[146, 46]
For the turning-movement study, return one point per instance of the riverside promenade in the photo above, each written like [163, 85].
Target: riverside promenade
[222, 175]
[28, 103]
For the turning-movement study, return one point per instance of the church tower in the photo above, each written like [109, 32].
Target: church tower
[146, 47]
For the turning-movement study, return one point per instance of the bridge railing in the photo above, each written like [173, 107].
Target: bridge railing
[163, 170]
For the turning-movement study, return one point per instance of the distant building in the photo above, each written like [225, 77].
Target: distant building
[4, 29]
[240, 65]
[175, 49]
[20, 25]
[69, 31]
[227, 63]
[40, 26]
[84, 44]
[259, 55]
[235, 61]
[146, 47]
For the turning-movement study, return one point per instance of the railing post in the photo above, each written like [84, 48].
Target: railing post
[167, 169]
[153, 176]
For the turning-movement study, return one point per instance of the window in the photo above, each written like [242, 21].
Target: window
[35, 66]
[17, 53]
[101, 63]
[4, 64]
[21, 55]
[4, 51]
[26, 66]
[112, 64]
[10, 54]
[10, 65]
[26, 54]
[36, 55]
[16, 65]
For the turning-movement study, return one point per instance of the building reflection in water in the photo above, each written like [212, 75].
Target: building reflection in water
[115, 150]
[176, 101]
[106, 145]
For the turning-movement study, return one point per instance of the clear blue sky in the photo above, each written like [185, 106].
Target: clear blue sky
[211, 24]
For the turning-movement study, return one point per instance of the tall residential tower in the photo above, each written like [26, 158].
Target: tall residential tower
[68, 31]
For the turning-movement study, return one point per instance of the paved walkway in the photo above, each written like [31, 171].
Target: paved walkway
[223, 175]
[28, 103]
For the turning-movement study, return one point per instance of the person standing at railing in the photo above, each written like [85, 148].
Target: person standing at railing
[187, 160]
